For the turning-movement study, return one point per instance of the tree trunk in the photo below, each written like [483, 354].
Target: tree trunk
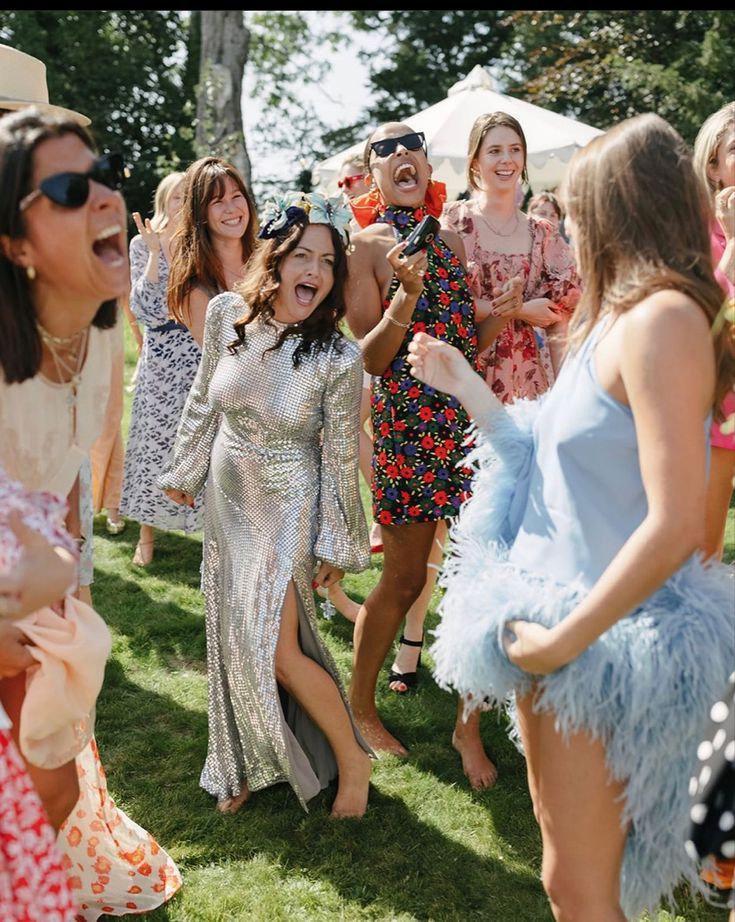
[225, 46]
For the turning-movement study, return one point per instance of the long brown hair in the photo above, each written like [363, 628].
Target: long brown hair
[194, 260]
[20, 134]
[259, 290]
[641, 219]
[483, 124]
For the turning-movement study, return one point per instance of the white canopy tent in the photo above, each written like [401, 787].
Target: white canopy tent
[552, 138]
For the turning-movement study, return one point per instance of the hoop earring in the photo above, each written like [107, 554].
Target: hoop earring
[31, 273]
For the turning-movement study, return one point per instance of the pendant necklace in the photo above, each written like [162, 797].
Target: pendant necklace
[68, 368]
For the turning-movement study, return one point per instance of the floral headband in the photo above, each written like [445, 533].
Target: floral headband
[282, 214]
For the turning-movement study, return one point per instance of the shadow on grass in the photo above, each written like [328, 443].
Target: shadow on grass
[391, 862]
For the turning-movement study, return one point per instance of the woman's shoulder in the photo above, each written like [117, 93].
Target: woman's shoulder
[343, 354]
[138, 245]
[223, 308]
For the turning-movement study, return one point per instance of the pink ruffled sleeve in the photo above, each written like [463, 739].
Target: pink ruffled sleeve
[560, 271]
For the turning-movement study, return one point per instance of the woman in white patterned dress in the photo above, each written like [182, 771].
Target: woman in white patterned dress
[168, 363]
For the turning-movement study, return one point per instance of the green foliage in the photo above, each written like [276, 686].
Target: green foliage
[129, 71]
[425, 52]
[286, 57]
[605, 66]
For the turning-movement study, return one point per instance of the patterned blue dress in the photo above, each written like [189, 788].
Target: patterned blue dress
[169, 362]
[558, 492]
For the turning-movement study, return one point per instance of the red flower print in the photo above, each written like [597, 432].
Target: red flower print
[425, 414]
[429, 477]
[385, 517]
[414, 392]
[427, 442]
[440, 329]
[440, 498]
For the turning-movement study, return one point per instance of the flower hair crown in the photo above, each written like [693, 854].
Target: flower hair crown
[293, 207]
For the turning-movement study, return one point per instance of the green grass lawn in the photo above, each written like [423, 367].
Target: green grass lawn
[429, 849]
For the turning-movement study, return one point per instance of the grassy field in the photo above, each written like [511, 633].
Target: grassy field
[428, 850]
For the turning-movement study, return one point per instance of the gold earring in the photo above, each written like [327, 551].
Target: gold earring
[31, 273]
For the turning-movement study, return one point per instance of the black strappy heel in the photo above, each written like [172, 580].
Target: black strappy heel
[409, 679]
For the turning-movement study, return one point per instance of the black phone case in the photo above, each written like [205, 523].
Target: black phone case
[421, 236]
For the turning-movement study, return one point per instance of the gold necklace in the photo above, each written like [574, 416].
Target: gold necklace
[50, 339]
[498, 233]
[71, 370]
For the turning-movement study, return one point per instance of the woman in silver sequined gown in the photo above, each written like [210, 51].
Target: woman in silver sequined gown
[278, 447]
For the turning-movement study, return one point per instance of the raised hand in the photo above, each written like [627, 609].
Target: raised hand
[145, 229]
[438, 364]
[409, 270]
[725, 210]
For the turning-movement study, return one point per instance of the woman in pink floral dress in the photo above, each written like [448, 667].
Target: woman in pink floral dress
[509, 252]
[504, 245]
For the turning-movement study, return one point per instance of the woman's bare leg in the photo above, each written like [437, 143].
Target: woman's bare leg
[580, 813]
[317, 693]
[407, 657]
[58, 788]
[407, 549]
[717, 500]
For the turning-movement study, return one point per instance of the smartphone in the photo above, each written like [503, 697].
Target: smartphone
[421, 236]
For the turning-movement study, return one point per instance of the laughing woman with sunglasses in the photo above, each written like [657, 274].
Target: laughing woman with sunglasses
[63, 264]
[418, 482]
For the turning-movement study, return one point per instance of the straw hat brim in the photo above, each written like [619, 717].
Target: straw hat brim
[14, 105]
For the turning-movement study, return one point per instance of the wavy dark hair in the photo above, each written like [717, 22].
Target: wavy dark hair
[194, 260]
[642, 225]
[20, 343]
[259, 290]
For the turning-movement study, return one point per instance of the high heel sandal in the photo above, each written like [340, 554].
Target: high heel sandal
[141, 558]
[409, 679]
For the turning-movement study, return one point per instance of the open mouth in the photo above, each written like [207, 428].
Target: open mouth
[505, 174]
[406, 178]
[305, 294]
[109, 246]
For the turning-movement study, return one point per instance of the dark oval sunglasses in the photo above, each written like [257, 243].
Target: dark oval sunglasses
[387, 146]
[71, 190]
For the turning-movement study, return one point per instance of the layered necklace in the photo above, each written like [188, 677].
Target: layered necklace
[503, 233]
[68, 354]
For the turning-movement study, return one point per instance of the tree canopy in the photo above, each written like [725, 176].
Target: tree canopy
[130, 71]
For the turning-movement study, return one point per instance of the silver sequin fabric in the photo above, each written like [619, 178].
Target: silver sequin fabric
[278, 448]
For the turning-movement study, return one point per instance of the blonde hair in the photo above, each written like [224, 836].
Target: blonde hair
[483, 124]
[641, 219]
[706, 146]
[160, 200]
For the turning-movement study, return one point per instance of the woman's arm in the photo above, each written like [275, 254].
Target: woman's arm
[381, 332]
[147, 292]
[195, 312]
[187, 470]
[665, 363]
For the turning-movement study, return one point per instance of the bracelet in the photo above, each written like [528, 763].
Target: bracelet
[397, 322]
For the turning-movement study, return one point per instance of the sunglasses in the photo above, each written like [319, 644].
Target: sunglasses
[71, 190]
[387, 146]
[349, 181]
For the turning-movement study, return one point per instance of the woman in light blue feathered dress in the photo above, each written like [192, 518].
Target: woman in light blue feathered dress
[575, 581]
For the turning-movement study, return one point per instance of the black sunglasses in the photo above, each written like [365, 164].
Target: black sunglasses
[387, 146]
[71, 190]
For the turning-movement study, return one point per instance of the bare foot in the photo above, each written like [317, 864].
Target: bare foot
[479, 770]
[378, 738]
[346, 606]
[352, 792]
[233, 804]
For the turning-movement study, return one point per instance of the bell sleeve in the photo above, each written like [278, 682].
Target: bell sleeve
[189, 465]
[342, 535]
